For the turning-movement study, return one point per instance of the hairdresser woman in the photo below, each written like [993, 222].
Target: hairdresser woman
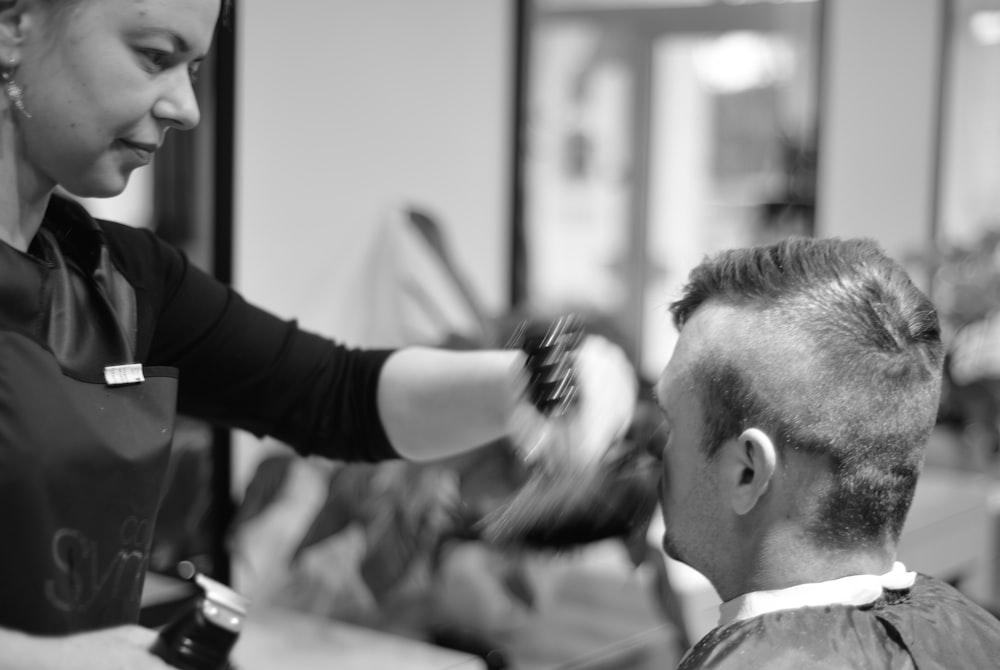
[105, 332]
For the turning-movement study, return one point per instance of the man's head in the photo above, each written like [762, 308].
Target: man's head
[818, 360]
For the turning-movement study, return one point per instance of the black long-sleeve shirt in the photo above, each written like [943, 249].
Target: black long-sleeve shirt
[83, 451]
[239, 366]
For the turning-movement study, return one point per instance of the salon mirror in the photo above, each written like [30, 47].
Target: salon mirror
[652, 133]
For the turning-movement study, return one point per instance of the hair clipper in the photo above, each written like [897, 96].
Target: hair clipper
[203, 637]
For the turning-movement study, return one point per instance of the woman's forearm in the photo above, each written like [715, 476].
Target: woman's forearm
[111, 648]
[436, 403]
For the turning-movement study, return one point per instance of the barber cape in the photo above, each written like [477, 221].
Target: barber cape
[83, 444]
[927, 626]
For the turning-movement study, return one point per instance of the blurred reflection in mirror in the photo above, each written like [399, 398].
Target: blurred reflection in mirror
[654, 133]
[970, 172]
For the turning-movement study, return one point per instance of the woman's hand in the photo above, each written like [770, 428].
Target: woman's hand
[598, 418]
[119, 648]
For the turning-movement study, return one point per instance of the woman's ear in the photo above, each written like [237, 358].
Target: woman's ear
[12, 23]
[748, 465]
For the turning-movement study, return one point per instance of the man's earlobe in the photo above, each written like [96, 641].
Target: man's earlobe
[756, 458]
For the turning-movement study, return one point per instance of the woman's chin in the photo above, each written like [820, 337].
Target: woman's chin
[108, 185]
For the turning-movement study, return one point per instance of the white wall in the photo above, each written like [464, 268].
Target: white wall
[878, 135]
[346, 106]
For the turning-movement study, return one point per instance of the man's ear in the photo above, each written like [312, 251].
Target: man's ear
[748, 464]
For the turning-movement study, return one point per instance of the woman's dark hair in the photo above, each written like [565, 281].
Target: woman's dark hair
[860, 387]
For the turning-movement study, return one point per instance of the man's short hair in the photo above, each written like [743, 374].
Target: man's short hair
[859, 387]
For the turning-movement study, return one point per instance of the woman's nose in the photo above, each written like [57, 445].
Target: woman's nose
[178, 105]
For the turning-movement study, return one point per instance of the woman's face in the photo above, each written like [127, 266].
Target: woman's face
[103, 81]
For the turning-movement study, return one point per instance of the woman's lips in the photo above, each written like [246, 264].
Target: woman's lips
[142, 150]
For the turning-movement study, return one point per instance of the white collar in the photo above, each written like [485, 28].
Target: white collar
[853, 590]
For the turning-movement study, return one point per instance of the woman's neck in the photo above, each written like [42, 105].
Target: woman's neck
[19, 221]
[23, 198]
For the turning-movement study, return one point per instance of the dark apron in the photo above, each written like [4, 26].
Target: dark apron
[81, 460]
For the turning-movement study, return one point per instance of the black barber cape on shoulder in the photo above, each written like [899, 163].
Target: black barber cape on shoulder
[84, 443]
[930, 626]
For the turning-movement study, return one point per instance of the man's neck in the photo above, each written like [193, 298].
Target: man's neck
[792, 566]
[852, 590]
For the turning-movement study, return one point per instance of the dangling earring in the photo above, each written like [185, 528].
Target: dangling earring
[14, 91]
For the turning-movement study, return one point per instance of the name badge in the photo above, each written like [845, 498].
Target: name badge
[117, 375]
